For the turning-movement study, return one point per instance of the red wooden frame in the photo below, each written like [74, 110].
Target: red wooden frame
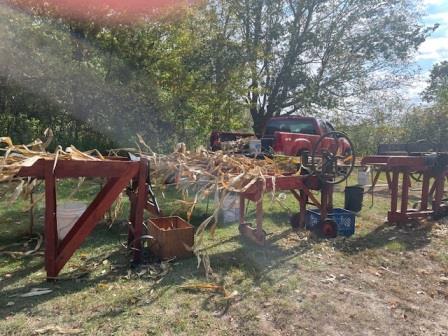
[119, 173]
[299, 186]
[403, 166]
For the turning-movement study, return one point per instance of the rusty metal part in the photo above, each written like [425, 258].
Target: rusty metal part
[333, 158]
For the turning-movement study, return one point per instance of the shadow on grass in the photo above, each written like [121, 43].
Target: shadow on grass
[398, 237]
[256, 263]
[77, 280]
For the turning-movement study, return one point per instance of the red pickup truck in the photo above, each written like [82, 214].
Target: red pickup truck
[293, 135]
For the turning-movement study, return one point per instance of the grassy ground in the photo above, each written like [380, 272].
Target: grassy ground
[385, 280]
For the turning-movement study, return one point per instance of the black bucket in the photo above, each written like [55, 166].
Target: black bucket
[353, 198]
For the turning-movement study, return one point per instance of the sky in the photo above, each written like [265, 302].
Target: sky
[435, 48]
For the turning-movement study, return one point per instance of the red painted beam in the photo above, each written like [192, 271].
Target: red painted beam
[78, 168]
[409, 162]
[375, 160]
[141, 200]
[51, 234]
[37, 170]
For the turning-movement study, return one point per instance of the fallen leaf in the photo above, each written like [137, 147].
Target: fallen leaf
[330, 279]
[58, 330]
[37, 292]
[443, 279]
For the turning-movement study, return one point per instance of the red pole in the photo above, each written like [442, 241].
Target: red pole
[425, 192]
[51, 226]
[141, 199]
[405, 193]
[394, 196]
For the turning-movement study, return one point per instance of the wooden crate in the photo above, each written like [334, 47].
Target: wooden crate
[173, 236]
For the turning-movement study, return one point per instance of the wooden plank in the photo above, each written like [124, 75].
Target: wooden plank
[312, 197]
[78, 168]
[408, 162]
[72, 168]
[141, 199]
[425, 192]
[96, 210]
[51, 231]
[394, 187]
[132, 197]
[296, 195]
[405, 192]
[37, 170]
[375, 160]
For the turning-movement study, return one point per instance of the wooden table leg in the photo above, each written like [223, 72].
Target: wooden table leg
[51, 226]
[141, 199]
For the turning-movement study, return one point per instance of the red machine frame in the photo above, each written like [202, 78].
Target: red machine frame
[299, 186]
[393, 167]
[119, 173]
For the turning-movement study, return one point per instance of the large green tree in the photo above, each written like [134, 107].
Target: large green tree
[319, 53]
[431, 121]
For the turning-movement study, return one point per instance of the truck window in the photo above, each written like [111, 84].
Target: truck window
[290, 125]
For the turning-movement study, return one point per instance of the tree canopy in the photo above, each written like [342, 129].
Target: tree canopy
[318, 53]
[222, 64]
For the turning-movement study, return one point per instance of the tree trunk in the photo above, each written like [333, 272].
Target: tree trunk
[260, 118]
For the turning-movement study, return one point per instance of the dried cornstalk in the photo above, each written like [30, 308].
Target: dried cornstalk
[210, 172]
[16, 157]
[204, 170]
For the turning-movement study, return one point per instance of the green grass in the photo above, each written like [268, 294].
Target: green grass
[294, 285]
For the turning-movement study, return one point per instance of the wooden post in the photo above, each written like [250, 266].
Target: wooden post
[425, 192]
[141, 199]
[405, 192]
[51, 226]
[394, 196]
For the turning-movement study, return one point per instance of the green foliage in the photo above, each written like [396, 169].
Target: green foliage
[438, 81]
[431, 122]
[383, 125]
[308, 55]
[97, 85]
[216, 66]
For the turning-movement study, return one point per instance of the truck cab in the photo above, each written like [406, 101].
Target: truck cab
[293, 135]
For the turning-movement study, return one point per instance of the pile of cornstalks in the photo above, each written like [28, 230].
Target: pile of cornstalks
[202, 171]
[17, 156]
